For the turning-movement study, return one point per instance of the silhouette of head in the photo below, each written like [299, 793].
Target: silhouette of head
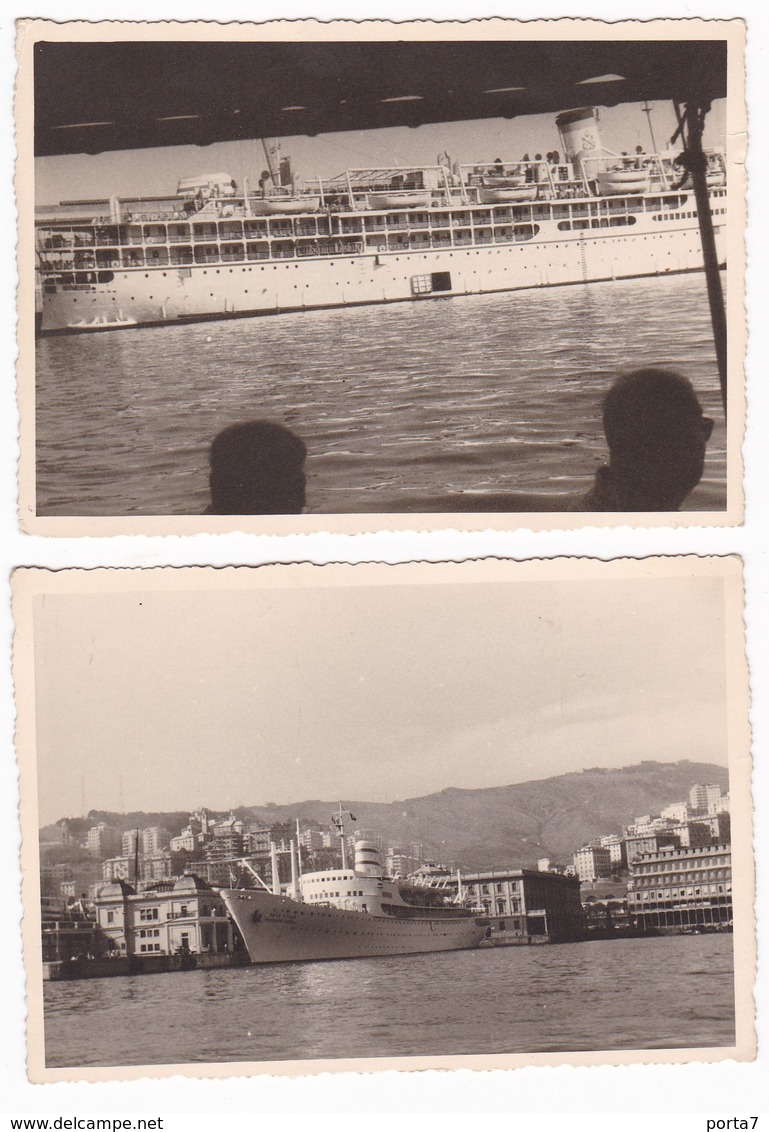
[257, 468]
[657, 436]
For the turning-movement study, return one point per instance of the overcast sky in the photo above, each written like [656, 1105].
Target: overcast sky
[372, 692]
[157, 171]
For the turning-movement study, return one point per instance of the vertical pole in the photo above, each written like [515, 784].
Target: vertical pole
[697, 167]
[294, 871]
[274, 869]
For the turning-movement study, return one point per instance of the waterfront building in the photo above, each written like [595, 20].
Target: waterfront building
[189, 917]
[67, 933]
[526, 902]
[700, 797]
[593, 861]
[604, 903]
[681, 887]
[103, 840]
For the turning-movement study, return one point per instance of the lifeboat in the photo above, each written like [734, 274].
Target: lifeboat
[275, 205]
[506, 194]
[399, 200]
[622, 181]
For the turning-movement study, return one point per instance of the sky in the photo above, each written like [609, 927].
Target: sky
[372, 692]
[155, 172]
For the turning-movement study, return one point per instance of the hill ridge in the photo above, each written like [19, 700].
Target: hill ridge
[496, 825]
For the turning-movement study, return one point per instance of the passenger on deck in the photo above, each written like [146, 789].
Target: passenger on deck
[257, 468]
[656, 434]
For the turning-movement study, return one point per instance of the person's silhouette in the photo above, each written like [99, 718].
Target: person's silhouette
[657, 435]
[257, 468]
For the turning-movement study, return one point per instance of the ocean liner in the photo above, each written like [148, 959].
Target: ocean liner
[372, 235]
[349, 913]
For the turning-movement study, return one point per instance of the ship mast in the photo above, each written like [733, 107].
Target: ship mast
[338, 820]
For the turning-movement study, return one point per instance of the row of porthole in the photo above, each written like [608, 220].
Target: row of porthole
[338, 284]
[334, 263]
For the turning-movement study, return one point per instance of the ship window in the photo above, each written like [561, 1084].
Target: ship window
[525, 231]
[181, 255]
[206, 253]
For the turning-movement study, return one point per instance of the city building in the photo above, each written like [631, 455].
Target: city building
[617, 851]
[118, 868]
[677, 812]
[256, 839]
[401, 862]
[593, 861]
[309, 839]
[128, 844]
[103, 840]
[639, 844]
[701, 797]
[526, 902]
[155, 866]
[189, 917]
[679, 887]
[155, 840]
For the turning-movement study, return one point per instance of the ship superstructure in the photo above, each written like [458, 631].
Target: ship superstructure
[373, 235]
[349, 912]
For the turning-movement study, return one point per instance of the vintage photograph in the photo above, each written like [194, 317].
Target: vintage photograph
[493, 256]
[296, 818]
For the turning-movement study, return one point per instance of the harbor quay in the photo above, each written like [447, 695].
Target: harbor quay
[222, 894]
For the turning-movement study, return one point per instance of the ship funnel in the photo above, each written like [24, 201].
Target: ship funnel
[367, 860]
[580, 136]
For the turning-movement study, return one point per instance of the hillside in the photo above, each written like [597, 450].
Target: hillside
[501, 825]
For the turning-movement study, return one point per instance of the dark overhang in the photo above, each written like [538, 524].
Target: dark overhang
[100, 96]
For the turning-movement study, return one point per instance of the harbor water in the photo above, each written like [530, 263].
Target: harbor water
[396, 403]
[669, 992]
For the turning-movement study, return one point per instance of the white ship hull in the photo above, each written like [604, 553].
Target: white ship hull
[656, 244]
[279, 930]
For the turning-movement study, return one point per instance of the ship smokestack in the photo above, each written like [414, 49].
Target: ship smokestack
[367, 860]
[581, 137]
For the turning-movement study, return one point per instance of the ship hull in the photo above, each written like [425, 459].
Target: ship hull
[171, 294]
[276, 929]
